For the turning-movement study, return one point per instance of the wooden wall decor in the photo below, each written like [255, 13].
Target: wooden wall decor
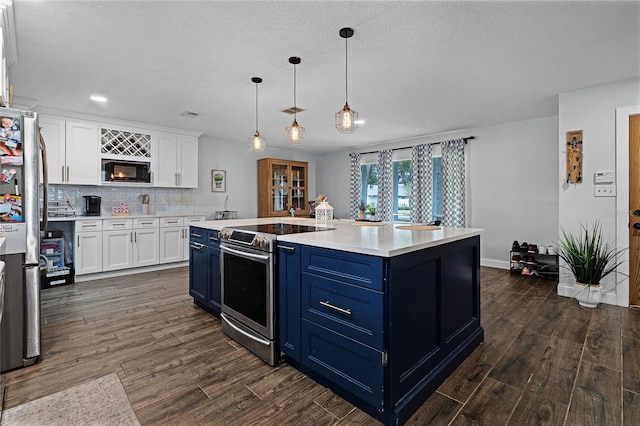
[574, 156]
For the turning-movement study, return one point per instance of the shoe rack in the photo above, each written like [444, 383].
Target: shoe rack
[529, 261]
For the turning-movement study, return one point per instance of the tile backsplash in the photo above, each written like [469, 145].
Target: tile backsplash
[170, 201]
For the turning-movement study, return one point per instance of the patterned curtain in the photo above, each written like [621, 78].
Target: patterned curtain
[385, 185]
[454, 182]
[356, 195]
[421, 184]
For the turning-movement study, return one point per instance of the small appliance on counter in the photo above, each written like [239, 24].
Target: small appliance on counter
[91, 205]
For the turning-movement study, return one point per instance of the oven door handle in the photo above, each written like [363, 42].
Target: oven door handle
[244, 254]
[239, 330]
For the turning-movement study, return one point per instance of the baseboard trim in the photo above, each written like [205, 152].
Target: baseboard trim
[130, 271]
[493, 263]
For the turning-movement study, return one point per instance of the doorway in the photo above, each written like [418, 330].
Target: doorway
[634, 210]
[627, 202]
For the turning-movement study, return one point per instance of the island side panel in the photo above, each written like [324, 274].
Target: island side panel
[434, 318]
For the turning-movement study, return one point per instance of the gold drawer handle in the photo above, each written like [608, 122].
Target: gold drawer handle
[329, 305]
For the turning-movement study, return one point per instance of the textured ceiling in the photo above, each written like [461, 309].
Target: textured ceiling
[415, 68]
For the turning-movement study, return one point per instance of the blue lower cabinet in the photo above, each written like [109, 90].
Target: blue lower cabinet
[382, 333]
[215, 283]
[288, 259]
[353, 311]
[198, 272]
[357, 368]
[204, 269]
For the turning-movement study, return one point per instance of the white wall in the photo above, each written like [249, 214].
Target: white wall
[591, 110]
[513, 183]
[242, 175]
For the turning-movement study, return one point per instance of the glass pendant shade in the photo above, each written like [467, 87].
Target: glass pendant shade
[294, 134]
[257, 143]
[346, 120]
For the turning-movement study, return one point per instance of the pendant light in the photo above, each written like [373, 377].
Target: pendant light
[256, 142]
[346, 118]
[294, 134]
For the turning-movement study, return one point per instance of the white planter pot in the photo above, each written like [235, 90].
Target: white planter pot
[588, 295]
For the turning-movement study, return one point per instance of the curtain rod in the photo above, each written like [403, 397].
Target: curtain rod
[407, 147]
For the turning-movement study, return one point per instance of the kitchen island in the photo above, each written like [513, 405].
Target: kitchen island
[379, 314]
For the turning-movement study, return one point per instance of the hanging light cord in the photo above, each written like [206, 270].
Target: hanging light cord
[295, 107]
[256, 107]
[346, 61]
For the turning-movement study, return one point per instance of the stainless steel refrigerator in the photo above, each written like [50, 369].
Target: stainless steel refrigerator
[21, 159]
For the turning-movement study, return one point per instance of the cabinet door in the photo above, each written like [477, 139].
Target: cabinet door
[88, 252]
[198, 272]
[289, 299]
[166, 173]
[215, 280]
[81, 153]
[188, 165]
[117, 251]
[53, 133]
[172, 244]
[146, 247]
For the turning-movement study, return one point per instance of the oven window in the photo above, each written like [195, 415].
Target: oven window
[245, 287]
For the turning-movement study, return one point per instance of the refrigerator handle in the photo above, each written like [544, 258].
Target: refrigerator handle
[68, 174]
[62, 172]
[45, 183]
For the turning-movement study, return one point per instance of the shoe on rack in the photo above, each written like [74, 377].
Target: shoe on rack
[532, 248]
[516, 258]
[542, 250]
[525, 271]
[524, 246]
[515, 246]
[531, 260]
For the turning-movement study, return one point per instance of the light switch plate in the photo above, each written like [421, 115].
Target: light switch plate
[604, 190]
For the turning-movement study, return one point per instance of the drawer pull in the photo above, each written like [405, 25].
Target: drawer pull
[196, 235]
[289, 248]
[329, 305]
[214, 239]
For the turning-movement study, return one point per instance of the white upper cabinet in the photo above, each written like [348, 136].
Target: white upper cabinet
[53, 133]
[176, 161]
[81, 153]
[72, 150]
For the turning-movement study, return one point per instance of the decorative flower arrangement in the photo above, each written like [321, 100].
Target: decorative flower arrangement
[321, 198]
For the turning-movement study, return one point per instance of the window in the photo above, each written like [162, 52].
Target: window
[401, 189]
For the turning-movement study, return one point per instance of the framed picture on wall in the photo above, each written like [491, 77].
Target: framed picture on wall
[218, 181]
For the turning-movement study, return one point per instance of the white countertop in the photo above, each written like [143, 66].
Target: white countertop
[74, 218]
[385, 240]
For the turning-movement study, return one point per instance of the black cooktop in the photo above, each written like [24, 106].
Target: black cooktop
[279, 228]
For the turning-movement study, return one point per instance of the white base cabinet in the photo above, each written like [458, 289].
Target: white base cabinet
[88, 247]
[174, 238]
[146, 242]
[104, 245]
[129, 243]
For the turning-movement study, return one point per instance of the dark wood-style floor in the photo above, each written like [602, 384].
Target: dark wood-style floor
[545, 360]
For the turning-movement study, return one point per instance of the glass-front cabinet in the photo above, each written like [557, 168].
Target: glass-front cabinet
[282, 185]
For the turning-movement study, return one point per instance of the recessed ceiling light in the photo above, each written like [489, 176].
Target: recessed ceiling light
[98, 98]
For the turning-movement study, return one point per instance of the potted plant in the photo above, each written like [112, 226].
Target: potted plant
[589, 259]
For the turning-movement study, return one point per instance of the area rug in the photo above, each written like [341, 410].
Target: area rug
[101, 401]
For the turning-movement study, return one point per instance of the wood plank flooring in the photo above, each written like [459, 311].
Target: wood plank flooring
[545, 360]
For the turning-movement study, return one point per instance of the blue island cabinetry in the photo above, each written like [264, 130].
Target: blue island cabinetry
[204, 269]
[382, 332]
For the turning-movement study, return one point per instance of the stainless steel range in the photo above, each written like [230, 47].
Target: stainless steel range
[249, 283]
